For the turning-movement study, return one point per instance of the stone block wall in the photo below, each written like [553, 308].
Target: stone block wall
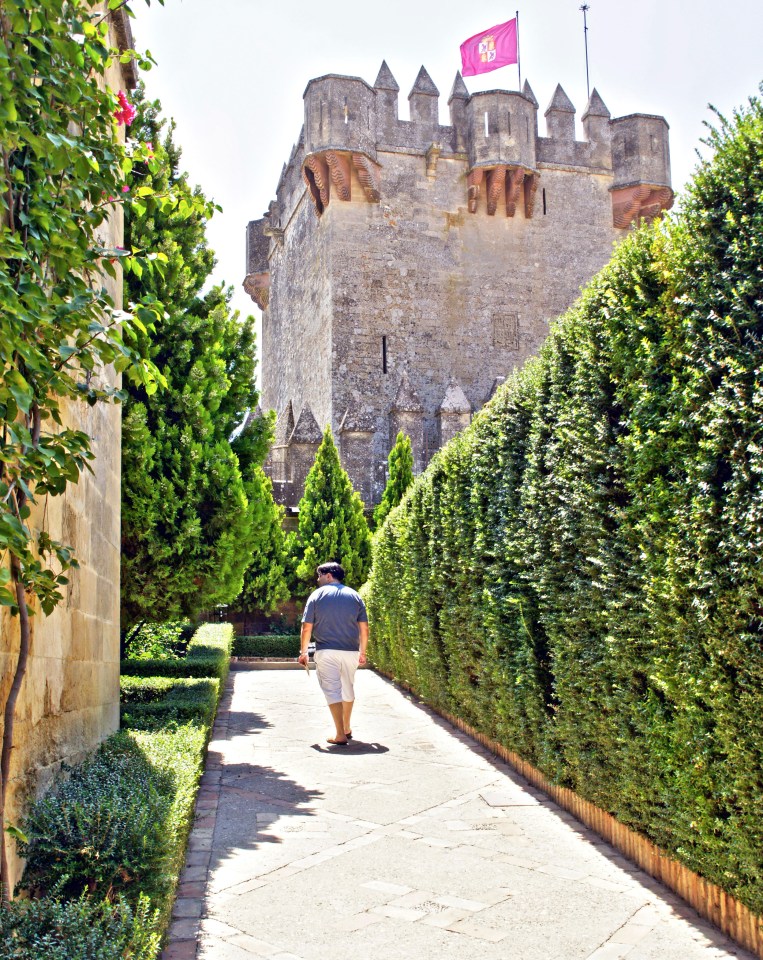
[70, 698]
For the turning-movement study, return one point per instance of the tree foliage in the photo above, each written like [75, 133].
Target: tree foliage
[265, 580]
[64, 170]
[332, 525]
[578, 573]
[400, 477]
[188, 525]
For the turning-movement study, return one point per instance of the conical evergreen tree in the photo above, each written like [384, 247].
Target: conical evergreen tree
[186, 519]
[332, 525]
[400, 477]
[265, 585]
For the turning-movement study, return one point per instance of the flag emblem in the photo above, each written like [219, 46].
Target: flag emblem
[487, 49]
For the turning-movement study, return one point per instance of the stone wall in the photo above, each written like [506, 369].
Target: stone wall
[70, 698]
[409, 256]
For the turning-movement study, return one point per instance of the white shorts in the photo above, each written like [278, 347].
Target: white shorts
[336, 673]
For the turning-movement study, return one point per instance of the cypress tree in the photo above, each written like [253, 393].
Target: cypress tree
[265, 585]
[187, 521]
[332, 525]
[400, 477]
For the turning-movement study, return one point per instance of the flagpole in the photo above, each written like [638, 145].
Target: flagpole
[519, 67]
[585, 8]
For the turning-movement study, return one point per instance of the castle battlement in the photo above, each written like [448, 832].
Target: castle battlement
[410, 258]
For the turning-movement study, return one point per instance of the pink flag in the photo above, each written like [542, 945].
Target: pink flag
[489, 50]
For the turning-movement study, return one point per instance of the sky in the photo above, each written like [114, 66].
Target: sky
[232, 74]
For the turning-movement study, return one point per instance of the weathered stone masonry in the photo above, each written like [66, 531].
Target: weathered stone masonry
[406, 267]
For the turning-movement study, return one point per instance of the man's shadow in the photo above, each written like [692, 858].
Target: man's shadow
[352, 749]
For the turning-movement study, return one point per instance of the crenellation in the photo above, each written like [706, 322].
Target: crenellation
[413, 265]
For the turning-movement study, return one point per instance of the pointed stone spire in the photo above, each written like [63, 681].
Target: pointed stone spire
[560, 101]
[455, 400]
[424, 84]
[596, 120]
[527, 93]
[455, 412]
[357, 421]
[423, 102]
[560, 116]
[458, 91]
[285, 424]
[306, 429]
[385, 80]
[457, 102]
[407, 400]
[596, 107]
[386, 101]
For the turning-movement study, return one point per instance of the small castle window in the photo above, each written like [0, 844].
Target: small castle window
[487, 129]
[544, 201]
[527, 125]
[508, 120]
[346, 111]
[384, 354]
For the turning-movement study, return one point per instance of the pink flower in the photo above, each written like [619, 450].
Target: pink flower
[126, 112]
[125, 188]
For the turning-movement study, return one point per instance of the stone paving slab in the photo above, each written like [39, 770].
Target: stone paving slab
[413, 842]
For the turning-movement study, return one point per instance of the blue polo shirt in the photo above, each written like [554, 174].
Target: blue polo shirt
[335, 610]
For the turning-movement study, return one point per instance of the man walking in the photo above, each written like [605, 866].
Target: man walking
[336, 618]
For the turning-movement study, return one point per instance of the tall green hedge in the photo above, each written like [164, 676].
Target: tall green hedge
[580, 573]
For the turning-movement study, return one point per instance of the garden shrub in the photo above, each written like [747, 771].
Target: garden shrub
[103, 829]
[578, 574]
[158, 641]
[207, 655]
[267, 645]
[80, 929]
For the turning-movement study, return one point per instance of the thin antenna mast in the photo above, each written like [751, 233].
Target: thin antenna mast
[585, 8]
[519, 68]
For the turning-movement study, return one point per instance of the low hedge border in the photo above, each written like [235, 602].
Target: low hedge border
[208, 655]
[266, 645]
[151, 701]
[79, 836]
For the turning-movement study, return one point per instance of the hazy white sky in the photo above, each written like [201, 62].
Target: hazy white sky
[232, 74]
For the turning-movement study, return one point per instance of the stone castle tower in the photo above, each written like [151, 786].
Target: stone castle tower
[406, 267]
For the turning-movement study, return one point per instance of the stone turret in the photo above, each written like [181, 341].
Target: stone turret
[641, 166]
[560, 116]
[423, 101]
[387, 90]
[454, 413]
[407, 415]
[303, 446]
[501, 150]
[457, 101]
[340, 132]
[356, 432]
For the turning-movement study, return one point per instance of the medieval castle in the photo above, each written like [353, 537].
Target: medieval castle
[406, 267]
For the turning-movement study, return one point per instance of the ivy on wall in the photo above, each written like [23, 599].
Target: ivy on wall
[578, 574]
[65, 169]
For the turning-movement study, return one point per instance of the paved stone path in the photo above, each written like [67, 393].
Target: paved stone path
[413, 842]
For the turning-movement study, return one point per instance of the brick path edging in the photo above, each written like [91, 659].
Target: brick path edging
[183, 934]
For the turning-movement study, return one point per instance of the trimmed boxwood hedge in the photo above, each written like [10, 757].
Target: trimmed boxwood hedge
[207, 655]
[579, 575]
[266, 645]
[118, 825]
[153, 701]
